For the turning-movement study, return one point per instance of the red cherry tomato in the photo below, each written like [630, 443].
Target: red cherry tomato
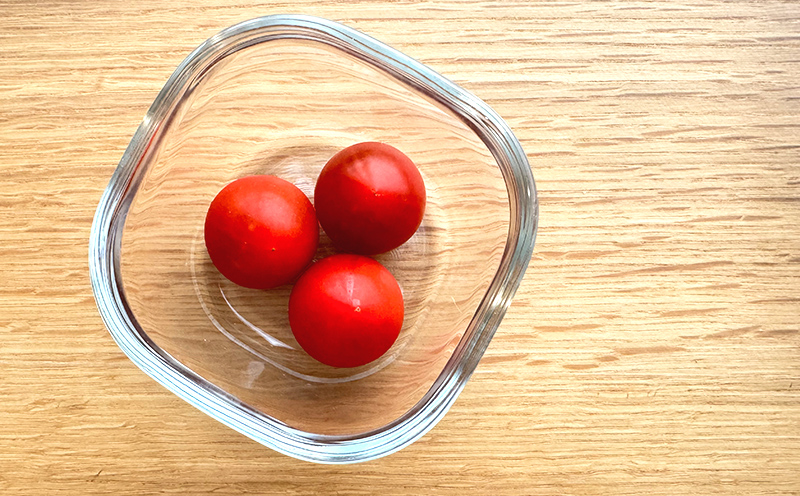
[369, 198]
[261, 231]
[346, 310]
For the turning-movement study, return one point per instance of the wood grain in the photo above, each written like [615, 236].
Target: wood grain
[653, 348]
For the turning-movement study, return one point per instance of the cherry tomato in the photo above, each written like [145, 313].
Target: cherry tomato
[370, 198]
[346, 310]
[261, 231]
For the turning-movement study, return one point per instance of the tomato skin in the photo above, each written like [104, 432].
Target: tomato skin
[261, 231]
[370, 198]
[346, 310]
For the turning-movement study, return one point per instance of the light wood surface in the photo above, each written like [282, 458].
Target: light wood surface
[653, 348]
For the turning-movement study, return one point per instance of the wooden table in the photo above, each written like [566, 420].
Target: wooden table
[653, 348]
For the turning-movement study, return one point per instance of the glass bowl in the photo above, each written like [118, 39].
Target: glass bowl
[280, 95]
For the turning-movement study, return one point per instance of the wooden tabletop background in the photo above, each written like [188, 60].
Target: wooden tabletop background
[653, 347]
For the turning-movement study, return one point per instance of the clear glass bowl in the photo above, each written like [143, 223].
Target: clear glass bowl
[280, 95]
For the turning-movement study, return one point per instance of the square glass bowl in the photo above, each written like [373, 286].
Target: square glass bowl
[280, 95]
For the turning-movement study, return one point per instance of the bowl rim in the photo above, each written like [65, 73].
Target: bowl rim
[109, 220]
